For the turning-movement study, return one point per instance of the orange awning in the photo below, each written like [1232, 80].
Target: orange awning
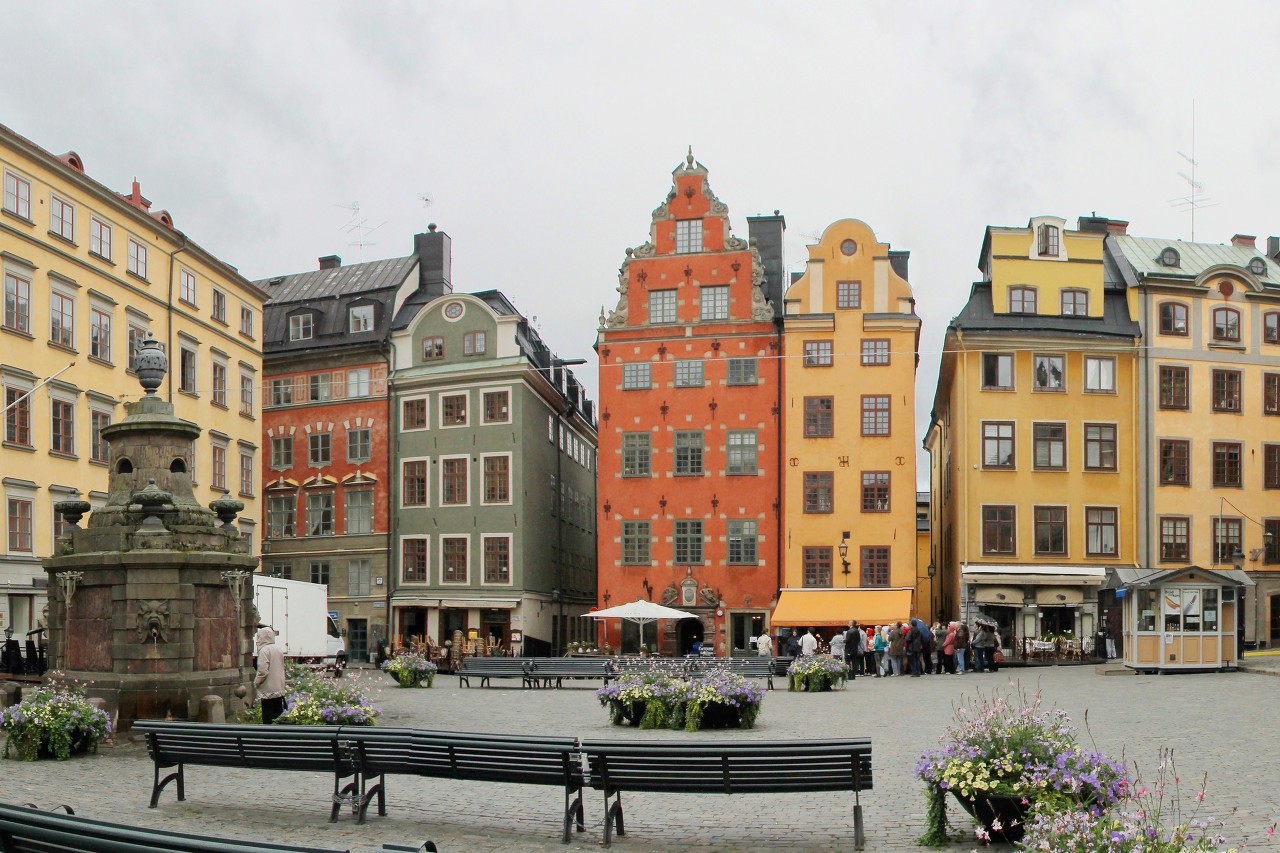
[805, 607]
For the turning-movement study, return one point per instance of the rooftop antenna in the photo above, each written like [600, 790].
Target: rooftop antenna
[360, 227]
[426, 199]
[1196, 198]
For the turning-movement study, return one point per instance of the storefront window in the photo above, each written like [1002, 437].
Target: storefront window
[1209, 611]
[1191, 610]
[1147, 599]
[1172, 609]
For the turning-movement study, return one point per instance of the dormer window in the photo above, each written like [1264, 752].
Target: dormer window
[432, 349]
[1173, 319]
[1047, 240]
[1226, 324]
[1022, 300]
[688, 236]
[301, 327]
[473, 343]
[360, 318]
[1169, 258]
[1257, 266]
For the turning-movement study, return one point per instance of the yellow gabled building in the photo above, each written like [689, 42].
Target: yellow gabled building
[850, 342]
[87, 273]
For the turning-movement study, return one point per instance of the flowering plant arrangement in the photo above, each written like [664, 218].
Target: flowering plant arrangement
[319, 699]
[53, 720]
[411, 669]
[657, 699]
[814, 673]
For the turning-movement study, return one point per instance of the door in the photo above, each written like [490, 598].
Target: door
[1274, 601]
[744, 628]
[357, 640]
[451, 620]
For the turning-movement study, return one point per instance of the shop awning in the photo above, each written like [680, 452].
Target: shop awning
[1059, 596]
[804, 607]
[1004, 596]
[459, 604]
[1017, 574]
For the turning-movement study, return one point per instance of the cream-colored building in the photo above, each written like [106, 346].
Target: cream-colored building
[87, 273]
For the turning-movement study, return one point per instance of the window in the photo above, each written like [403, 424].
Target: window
[662, 306]
[414, 414]
[1075, 303]
[1175, 462]
[100, 334]
[817, 354]
[358, 382]
[688, 543]
[1050, 446]
[319, 449]
[413, 560]
[320, 572]
[62, 319]
[1100, 447]
[301, 327]
[635, 543]
[413, 483]
[473, 343]
[98, 449]
[1099, 375]
[998, 530]
[358, 572]
[742, 452]
[496, 407]
[219, 305]
[497, 559]
[1226, 391]
[453, 482]
[246, 321]
[218, 474]
[137, 258]
[282, 451]
[17, 195]
[874, 565]
[319, 385]
[875, 415]
[99, 238]
[1226, 464]
[17, 416]
[1047, 240]
[187, 379]
[875, 491]
[688, 236]
[817, 565]
[714, 302]
[320, 514]
[17, 303]
[1100, 531]
[1022, 300]
[997, 444]
[432, 349]
[219, 382]
[20, 525]
[63, 427]
[454, 559]
[246, 394]
[1175, 540]
[848, 294]
[1173, 319]
[742, 371]
[689, 373]
[357, 510]
[1174, 385]
[1226, 324]
[453, 410]
[62, 218]
[1271, 327]
[360, 318]
[1271, 541]
[1271, 393]
[819, 417]
[136, 335]
[875, 352]
[997, 371]
[636, 452]
[246, 474]
[635, 376]
[742, 536]
[1049, 373]
[497, 479]
[187, 287]
[819, 492]
[282, 391]
[281, 516]
[359, 445]
[1051, 529]
[1226, 538]
[688, 453]
[1271, 466]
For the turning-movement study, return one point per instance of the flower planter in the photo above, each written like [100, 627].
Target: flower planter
[1003, 817]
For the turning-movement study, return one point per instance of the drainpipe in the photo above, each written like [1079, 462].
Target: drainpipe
[393, 453]
[1148, 520]
[169, 311]
[781, 362]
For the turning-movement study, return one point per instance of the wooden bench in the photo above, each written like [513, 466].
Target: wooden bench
[767, 767]
[754, 667]
[487, 668]
[543, 671]
[314, 749]
[28, 830]
[529, 760]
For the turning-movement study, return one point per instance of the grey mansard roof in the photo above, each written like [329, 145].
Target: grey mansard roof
[979, 315]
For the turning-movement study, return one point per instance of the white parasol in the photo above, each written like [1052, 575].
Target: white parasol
[641, 612]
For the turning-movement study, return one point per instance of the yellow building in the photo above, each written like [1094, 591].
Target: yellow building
[850, 339]
[88, 273]
[1033, 440]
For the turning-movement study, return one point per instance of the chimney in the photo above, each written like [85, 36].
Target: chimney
[768, 233]
[1273, 248]
[330, 262]
[435, 256]
[898, 260]
[1102, 225]
[1243, 241]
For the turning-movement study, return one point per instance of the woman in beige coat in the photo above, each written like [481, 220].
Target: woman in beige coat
[269, 682]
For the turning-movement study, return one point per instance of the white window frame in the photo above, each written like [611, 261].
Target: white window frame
[466, 421]
[1096, 380]
[511, 545]
[1052, 359]
[426, 553]
[62, 218]
[22, 323]
[359, 379]
[188, 289]
[426, 486]
[246, 473]
[218, 473]
[218, 305]
[246, 321]
[218, 391]
[302, 326]
[14, 186]
[510, 479]
[137, 263]
[64, 399]
[496, 389]
[247, 403]
[659, 299]
[70, 327]
[441, 460]
[368, 444]
[360, 318]
[689, 367]
[277, 463]
[100, 235]
[441, 537]
[689, 236]
[426, 413]
[94, 433]
[99, 332]
[346, 514]
[637, 376]
[717, 298]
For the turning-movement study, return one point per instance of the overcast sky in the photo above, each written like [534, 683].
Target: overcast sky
[544, 133]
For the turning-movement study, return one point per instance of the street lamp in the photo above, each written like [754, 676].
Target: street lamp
[844, 556]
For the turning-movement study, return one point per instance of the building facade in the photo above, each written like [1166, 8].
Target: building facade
[88, 274]
[850, 340]
[690, 421]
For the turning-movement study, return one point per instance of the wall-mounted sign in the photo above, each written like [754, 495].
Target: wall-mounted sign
[333, 614]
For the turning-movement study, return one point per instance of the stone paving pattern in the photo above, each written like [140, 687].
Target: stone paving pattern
[1219, 723]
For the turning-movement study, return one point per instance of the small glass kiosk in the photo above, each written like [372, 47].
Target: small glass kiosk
[1181, 619]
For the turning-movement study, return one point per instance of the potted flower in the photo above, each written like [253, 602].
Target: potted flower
[644, 699]
[815, 673]
[53, 721]
[411, 670]
[319, 699]
[1004, 754]
[721, 699]
[652, 700]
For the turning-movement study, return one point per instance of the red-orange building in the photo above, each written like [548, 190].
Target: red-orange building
[689, 425]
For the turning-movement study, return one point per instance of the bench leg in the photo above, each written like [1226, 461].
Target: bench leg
[859, 833]
[572, 811]
[159, 784]
[366, 797]
[613, 817]
[342, 794]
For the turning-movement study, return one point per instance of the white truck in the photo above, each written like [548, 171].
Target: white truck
[299, 613]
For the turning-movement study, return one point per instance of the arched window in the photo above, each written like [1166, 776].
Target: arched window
[1022, 300]
[1271, 327]
[1173, 318]
[1048, 240]
[1226, 324]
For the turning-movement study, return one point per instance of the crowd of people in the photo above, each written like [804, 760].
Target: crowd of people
[903, 648]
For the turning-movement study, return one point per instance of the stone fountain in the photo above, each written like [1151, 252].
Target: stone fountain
[150, 603]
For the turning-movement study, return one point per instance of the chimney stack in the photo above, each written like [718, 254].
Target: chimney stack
[435, 257]
[330, 262]
[1273, 248]
[1244, 241]
[1101, 224]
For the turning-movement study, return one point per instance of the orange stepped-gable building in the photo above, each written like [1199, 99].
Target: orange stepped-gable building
[689, 426]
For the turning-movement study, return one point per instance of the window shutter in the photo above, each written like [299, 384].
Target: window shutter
[379, 380]
[338, 385]
[300, 389]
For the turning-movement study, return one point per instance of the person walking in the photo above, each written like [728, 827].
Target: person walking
[269, 682]
[962, 645]
[880, 648]
[764, 645]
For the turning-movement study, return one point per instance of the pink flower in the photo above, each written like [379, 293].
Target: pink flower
[1271, 831]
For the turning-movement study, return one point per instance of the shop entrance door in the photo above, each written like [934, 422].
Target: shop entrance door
[1275, 620]
[745, 627]
[357, 640]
